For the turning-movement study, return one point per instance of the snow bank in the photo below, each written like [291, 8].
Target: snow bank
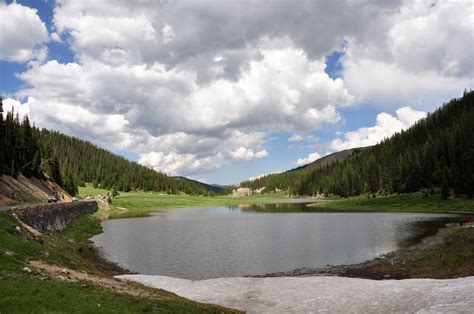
[322, 294]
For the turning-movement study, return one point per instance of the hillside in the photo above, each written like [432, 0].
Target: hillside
[68, 161]
[29, 190]
[436, 152]
[90, 163]
[337, 156]
[210, 187]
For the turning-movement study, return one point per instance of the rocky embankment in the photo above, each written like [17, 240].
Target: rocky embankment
[54, 216]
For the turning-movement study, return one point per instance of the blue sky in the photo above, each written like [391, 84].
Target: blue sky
[215, 93]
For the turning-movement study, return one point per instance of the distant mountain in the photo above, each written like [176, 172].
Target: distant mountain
[216, 188]
[286, 179]
[436, 152]
[330, 158]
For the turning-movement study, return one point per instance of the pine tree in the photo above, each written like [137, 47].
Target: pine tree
[53, 170]
[2, 139]
[69, 182]
[36, 165]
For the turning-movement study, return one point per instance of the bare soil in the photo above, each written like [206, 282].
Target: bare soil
[28, 190]
[65, 274]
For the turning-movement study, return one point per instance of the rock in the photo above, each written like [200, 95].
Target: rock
[9, 253]
[386, 276]
[27, 269]
[64, 271]
[17, 229]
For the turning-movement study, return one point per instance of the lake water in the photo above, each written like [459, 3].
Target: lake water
[203, 243]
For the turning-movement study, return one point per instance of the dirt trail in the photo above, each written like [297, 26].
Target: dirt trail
[65, 274]
[123, 210]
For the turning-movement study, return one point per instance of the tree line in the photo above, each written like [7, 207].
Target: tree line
[70, 162]
[435, 153]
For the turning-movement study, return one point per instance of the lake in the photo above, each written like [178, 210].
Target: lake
[203, 243]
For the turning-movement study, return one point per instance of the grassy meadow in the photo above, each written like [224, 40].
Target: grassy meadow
[138, 204]
[410, 202]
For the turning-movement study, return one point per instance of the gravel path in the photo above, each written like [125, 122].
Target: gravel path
[323, 294]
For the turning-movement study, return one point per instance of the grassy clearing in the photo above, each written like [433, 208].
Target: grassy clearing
[138, 205]
[89, 190]
[28, 294]
[412, 202]
[454, 258]
[24, 292]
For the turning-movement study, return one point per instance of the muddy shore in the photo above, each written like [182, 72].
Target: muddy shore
[396, 265]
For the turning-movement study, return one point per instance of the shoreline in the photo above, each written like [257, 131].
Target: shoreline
[371, 286]
[379, 268]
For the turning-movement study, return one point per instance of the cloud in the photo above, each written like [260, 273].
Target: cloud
[263, 175]
[243, 153]
[55, 37]
[167, 111]
[295, 138]
[202, 28]
[190, 86]
[22, 34]
[179, 164]
[310, 158]
[385, 126]
[410, 57]
[108, 131]
[23, 110]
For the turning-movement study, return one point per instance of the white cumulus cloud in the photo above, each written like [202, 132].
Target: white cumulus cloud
[310, 158]
[243, 153]
[385, 126]
[192, 85]
[410, 56]
[22, 33]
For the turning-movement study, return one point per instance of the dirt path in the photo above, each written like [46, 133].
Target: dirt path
[65, 274]
[123, 210]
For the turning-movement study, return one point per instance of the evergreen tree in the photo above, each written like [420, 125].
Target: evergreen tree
[69, 182]
[2, 139]
[438, 151]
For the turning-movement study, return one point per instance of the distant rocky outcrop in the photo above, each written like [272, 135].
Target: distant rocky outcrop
[241, 192]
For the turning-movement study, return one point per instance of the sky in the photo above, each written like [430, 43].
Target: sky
[221, 91]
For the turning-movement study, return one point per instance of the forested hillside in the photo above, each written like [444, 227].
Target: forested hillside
[437, 152]
[70, 161]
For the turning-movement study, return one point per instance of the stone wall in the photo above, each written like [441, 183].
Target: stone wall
[53, 216]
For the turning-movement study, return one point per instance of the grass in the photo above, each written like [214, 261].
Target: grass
[454, 258]
[89, 190]
[23, 292]
[411, 202]
[27, 294]
[138, 205]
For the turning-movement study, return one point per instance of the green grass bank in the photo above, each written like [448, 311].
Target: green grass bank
[411, 202]
[32, 290]
[139, 204]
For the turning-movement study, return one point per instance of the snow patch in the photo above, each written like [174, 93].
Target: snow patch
[322, 294]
